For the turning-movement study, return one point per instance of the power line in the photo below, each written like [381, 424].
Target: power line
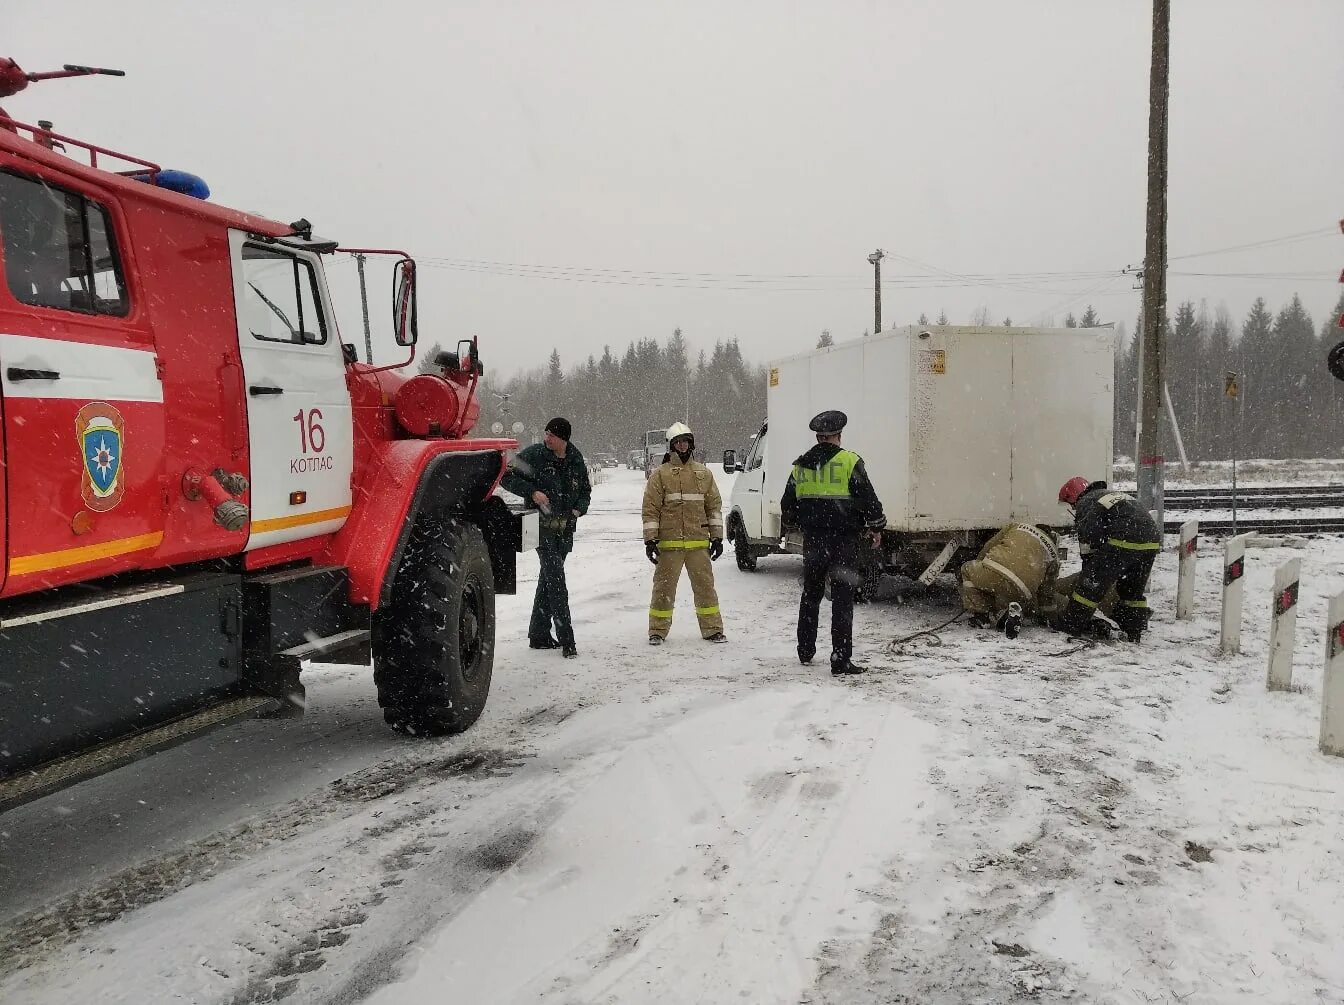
[1305, 235]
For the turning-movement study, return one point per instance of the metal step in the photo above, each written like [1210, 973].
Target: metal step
[353, 645]
[66, 771]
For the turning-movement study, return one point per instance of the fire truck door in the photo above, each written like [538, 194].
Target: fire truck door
[299, 420]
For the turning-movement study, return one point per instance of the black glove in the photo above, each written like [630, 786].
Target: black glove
[715, 549]
[651, 549]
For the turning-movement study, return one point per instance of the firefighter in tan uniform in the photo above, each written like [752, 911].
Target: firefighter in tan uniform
[1014, 573]
[683, 527]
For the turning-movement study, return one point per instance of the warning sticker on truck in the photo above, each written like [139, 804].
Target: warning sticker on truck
[932, 361]
[774, 376]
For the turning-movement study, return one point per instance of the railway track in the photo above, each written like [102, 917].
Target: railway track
[1285, 525]
[1297, 497]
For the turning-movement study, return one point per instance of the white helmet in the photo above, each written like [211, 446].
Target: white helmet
[678, 429]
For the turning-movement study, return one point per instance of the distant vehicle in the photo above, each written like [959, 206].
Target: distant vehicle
[962, 430]
[655, 446]
[606, 461]
[634, 460]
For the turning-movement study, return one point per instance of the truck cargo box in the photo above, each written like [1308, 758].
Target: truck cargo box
[961, 428]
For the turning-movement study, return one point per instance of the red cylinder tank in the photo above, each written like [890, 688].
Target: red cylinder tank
[428, 405]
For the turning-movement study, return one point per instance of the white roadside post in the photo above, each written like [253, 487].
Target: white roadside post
[1332, 686]
[1234, 568]
[1283, 625]
[1185, 575]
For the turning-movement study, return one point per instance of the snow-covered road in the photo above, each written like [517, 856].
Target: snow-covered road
[974, 821]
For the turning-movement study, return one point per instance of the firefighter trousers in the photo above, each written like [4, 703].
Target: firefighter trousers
[665, 578]
[836, 559]
[1124, 569]
[987, 589]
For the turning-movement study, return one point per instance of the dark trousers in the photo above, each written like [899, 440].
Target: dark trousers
[837, 559]
[1125, 569]
[551, 604]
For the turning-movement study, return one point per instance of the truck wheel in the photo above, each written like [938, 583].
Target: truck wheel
[434, 642]
[746, 558]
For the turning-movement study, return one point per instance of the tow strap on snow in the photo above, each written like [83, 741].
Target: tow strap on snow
[894, 645]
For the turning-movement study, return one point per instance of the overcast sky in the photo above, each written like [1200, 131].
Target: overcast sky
[736, 161]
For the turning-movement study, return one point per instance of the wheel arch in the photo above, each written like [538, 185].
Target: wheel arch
[408, 478]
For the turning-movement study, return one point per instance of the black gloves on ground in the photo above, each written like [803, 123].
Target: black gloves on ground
[715, 549]
[651, 549]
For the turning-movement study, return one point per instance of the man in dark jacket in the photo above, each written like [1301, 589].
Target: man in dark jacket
[552, 476]
[831, 499]
[1119, 542]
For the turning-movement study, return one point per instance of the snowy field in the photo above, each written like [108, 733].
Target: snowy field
[975, 821]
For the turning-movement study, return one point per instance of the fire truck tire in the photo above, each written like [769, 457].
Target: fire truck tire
[434, 643]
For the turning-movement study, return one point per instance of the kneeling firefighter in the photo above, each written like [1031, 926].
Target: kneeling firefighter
[1014, 575]
[683, 528]
[1119, 543]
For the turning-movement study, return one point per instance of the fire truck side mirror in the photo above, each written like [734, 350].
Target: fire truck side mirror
[403, 302]
[467, 355]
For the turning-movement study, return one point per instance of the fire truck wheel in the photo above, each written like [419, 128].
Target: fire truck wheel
[434, 643]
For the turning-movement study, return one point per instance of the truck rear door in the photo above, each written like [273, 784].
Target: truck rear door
[300, 427]
[961, 397]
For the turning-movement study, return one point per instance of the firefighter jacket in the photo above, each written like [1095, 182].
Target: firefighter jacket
[1028, 558]
[829, 494]
[1111, 518]
[564, 480]
[682, 505]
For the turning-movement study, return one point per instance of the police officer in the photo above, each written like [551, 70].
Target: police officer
[831, 499]
[1119, 542]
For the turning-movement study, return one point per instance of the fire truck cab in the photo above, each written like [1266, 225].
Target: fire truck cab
[201, 487]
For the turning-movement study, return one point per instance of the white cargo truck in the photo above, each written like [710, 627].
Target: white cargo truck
[962, 430]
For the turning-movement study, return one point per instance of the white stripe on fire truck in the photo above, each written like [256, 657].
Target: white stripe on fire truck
[88, 372]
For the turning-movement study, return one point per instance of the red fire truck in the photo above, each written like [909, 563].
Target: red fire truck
[201, 487]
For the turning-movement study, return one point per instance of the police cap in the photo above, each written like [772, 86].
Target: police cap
[828, 423]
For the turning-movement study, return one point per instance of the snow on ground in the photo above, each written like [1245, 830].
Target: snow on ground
[974, 821]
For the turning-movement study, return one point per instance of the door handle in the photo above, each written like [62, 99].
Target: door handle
[257, 389]
[19, 373]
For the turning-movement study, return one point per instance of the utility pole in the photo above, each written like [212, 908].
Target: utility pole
[1152, 361]
[875, 260]
[364, 303]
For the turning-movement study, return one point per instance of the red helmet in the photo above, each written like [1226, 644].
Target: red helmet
[1072, 489]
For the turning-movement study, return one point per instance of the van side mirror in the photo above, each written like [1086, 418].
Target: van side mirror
[730, 461]
[404, 321]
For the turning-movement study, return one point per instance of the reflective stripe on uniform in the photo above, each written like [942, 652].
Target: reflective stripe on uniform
[1084, 549]
[1115, 542]
[829, 480]
[650, 524]
[683, 497]
[1084, 601]
[1143, 604]
[707, 610]
[683, 545]
[659, 614]
[1012, 576]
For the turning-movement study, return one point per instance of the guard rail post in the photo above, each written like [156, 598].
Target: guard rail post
[1185, 574]
[1283, 625]
[1332, 684]
[1234, 568]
